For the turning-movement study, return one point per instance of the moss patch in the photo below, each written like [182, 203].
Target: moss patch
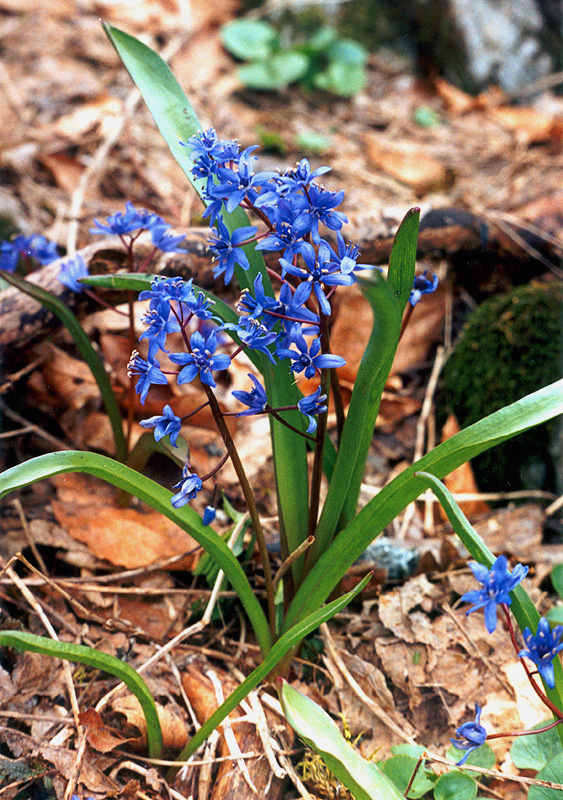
[511, 346]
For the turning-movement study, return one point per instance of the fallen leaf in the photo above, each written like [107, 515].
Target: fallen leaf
[97, 734]
[174, 731]
[456, 100]
[127, 537]
[102, 111]
[531, 126]
[406, 161]
[65, 169]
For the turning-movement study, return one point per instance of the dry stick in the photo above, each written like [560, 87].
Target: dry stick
[228, 733]
[53, 441]
[421, 425]
[357, 689]
[492, 773]
[27, 533]
[197, 627]
[264, 734]
[291, 558]
[133, 767]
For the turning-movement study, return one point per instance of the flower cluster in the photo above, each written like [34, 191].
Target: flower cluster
[36, 247]
[496, 583]
[294, 209]
[134, 221]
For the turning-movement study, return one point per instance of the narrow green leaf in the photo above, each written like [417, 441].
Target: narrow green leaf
[84, 346]
[177, 121]
[156, 497]
[362, 778]
[402, 261]
[364, 404]
[402, 490]
[28, 642]
[557, 579]
[284, 644]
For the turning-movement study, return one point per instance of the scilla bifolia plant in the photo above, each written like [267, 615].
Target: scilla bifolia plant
[293, 215]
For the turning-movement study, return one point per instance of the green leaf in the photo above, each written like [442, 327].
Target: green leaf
[103, 661]
[249, 39]
[387, 299]
[284, 644]
[84, 347]
[363, 778]
[156, 497]
[342, 79]
[483, 756]
[557, 579]
[347, 51]
[402, 261]
[400, 768]
[402, 490]
[277, 72]
[455, 785]
[177, 121]
[534, 752]
[555, 615]
[553, 772]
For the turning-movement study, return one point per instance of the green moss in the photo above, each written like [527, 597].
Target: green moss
[511, 346]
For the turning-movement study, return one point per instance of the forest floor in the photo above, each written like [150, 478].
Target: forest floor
[403, 664]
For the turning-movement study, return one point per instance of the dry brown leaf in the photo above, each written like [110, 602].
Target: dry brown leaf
[98, 735]
[531, 126]
[174, 731]
[70, 378]
[456, 100]
[461, 480]
[406, 161]
[65, 169]
[127, 537]
[102, 111]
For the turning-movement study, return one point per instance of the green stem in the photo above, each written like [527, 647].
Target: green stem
[250, 503]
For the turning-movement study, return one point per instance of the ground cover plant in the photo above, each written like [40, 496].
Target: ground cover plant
[270, 324]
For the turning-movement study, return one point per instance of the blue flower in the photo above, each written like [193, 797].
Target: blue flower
[542, 649]
[226, 249]
[160, 323]
[422, 285]
[319, 271]
[201, 361]
[236, 184]
[190, 485]
[71, 271]
[166, 241]
[167, 424]
[311, 405]
[497, 583]
[471, 736]
[256, 399]
[38, 247]
[321, 209]
[301, 176]
[347, 256]
[209, 515]
[285, 236]
[149, 371]
[307, 360]
[9, 256]
[128, 221]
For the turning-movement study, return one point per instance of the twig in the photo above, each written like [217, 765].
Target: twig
[53, 441]
[357, 689]
[492, 773]
[27, 533]
[421, 425]
[228, 732]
